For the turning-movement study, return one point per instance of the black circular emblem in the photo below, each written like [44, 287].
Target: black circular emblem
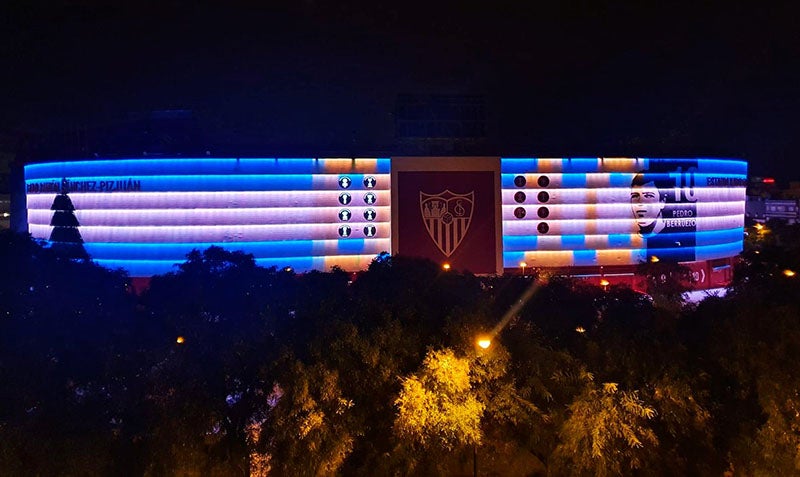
[519, 197]
[543, 228]
[369, 214]
[344, 198]
[370, 230]
[543, 181]
[370, 198]
[345, 215]
[344, 182]
[344, 231]
[543, 212]
[543, 196]
[369, 182]
[519, 212]
[520, 181]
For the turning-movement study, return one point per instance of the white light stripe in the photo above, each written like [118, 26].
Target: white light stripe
[212, 200]
[184, 217]
[608, 226]
[616, 211]
[207, 233]
[614, 195]
[317, 181]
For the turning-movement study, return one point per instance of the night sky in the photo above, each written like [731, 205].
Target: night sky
[559, 78]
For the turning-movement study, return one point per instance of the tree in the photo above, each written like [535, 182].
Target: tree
[436, 407]
[307, 430]
[666, 282]
[65, 236]
[68, 361]
[608, 433]
[437, 410]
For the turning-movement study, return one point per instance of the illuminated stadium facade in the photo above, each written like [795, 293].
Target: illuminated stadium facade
[596, 217]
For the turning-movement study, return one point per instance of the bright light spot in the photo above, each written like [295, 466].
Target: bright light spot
[654, 259]
[604, 283]
[523, 264]
[446, 267]
[484, 343]
[180, 340]
[6, 215]
[789, 273]
[580, 329]
[759, 226]
[288, 269]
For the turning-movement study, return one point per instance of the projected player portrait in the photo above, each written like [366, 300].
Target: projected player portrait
[663, 207]
[647, 204]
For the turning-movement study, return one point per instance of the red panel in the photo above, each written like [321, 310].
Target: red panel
[448, 217]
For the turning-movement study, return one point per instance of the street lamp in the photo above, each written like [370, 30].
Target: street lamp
[446, 267]
[522, 265]
[484, 342]
[789, 273]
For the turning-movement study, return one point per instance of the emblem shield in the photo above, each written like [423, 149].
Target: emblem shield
[447, 217]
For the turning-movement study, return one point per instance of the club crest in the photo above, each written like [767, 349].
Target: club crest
[447, 217]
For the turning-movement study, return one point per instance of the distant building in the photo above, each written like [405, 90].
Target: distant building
[767, 201]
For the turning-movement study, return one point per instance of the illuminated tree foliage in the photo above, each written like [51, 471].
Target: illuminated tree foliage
[307, 430]
[607, 433]
[436, 407]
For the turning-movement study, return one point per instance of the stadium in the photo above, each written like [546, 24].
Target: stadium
[591, 217]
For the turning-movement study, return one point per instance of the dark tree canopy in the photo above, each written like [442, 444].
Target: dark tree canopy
[223, 367]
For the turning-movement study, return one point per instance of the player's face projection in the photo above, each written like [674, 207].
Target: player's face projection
[646, 204]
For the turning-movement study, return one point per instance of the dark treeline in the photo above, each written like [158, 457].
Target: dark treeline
[226, 368]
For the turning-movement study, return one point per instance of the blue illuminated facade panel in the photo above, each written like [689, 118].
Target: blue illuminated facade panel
[566, 212]
[145, 215]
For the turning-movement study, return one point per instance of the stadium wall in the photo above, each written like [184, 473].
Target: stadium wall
[588, 216]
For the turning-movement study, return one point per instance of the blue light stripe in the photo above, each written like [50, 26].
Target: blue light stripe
[145, 268]
[620, 179]
[208, 183]
[572, 181]
[175, 166]
[584, 257]
[717, 166]
[616, 179]
[178, 251]
[572, 242]
[714, 237]
[518, 165]
[513, 259]
[517, 243]
[619, 240]
[710, 252]
[579, 164]
[520, 242]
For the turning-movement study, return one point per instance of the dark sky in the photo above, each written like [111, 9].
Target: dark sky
[560, 78]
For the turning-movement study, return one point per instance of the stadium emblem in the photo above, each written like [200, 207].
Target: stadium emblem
[447, 217]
